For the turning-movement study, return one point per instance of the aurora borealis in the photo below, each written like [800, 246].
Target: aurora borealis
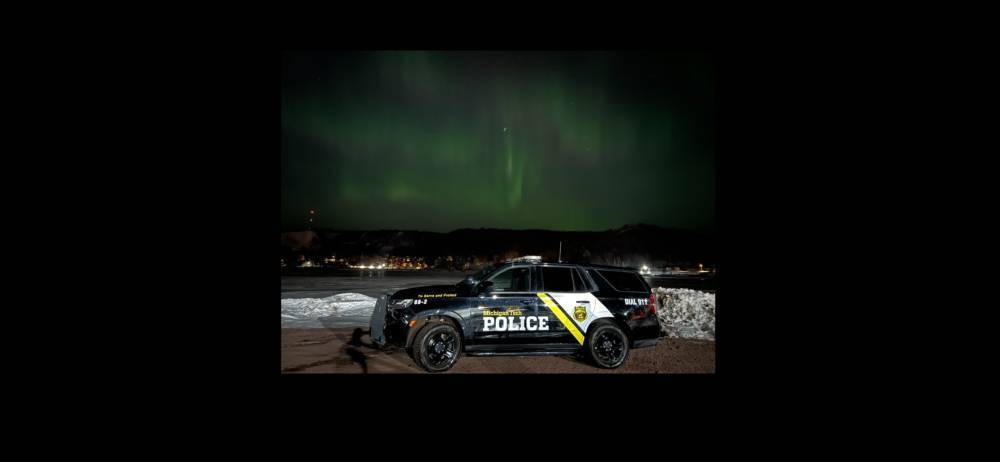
[437, 141]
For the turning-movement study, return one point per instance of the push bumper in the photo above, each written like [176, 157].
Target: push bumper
[378, 319]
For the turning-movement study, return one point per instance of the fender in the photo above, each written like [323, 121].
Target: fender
[435, 315]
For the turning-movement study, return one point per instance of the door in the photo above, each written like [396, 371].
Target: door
[557, 284]
[506, 314]
[569, 299]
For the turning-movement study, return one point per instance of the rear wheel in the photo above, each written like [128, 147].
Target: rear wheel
[437, 346]
[607, 346]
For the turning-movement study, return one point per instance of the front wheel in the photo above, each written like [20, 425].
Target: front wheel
[607, 346]
[436, 347]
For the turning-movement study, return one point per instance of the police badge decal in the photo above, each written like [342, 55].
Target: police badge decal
[580, 313]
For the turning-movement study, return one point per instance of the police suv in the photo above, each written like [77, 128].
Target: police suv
[522, 307]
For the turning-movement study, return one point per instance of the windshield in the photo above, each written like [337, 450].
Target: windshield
[483, 273]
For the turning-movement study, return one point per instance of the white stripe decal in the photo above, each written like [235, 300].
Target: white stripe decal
[593, 308]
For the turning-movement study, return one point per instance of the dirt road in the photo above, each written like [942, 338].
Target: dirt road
[350, 351]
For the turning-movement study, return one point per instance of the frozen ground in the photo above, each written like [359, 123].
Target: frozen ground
[342, 351]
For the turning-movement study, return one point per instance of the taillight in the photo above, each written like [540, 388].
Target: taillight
[652, 302]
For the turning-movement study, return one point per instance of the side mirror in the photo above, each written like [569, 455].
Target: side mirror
[485, 287]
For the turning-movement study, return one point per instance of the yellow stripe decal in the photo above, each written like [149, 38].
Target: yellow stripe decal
[562, 316]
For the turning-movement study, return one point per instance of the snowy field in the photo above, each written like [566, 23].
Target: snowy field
[347, 300]
[341, 310]
[370, 283]
[316, 302]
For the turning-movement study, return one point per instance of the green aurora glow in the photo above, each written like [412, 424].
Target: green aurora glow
[444, 140]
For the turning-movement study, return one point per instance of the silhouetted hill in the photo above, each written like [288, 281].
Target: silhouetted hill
[623, 246]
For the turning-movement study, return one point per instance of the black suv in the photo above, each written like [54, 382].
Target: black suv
[522, 308]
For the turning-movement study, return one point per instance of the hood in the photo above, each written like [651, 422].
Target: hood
[430, 292]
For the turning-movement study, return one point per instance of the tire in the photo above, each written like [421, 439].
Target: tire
[431, 357]
[607, 346]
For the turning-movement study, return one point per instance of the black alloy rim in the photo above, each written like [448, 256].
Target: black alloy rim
[609, 347]
[441, 348]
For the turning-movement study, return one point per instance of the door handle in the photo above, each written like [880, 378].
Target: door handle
[527, 302]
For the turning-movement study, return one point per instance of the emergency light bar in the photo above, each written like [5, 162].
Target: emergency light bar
[528, 258]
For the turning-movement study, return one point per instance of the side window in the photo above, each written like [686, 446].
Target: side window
[625, 281]
[599, 280]
[512, 280]
[557, 279]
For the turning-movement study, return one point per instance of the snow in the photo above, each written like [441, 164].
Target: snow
[339, 310]
[686, 313]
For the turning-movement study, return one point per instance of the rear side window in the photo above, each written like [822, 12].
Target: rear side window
[624, 281]
[601, 283]
[557, 279]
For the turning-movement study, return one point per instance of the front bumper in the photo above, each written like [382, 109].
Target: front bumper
[389, 323]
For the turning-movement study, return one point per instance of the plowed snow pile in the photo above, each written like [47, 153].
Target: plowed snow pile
[347, 308]
[686, 313]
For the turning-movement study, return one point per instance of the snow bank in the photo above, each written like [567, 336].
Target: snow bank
[346, 309]
[686, 313]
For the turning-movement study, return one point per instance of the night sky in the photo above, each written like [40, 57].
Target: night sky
[436, 141]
